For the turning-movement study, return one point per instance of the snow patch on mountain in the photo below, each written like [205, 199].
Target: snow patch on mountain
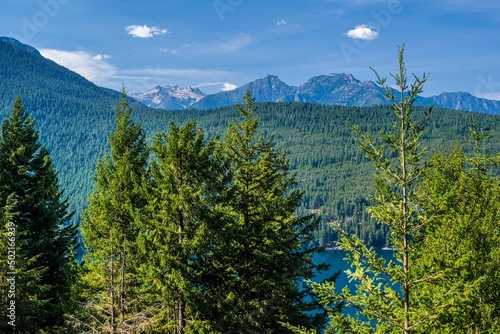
[330, 89]
[169, 97]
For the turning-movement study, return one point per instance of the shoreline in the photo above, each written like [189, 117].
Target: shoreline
[385, 248]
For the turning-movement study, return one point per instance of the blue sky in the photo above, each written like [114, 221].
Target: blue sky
[220, 44]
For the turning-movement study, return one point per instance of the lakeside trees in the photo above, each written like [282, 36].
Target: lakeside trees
[203, 235]
[265, 242]
[461, 240]
[384, 291]
[444, 221]
[37, 275]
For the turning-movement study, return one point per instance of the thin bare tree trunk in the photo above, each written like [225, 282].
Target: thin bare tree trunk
[406, 285]
[112, 287]
[122, 283]
[180, 303]
[181, 308]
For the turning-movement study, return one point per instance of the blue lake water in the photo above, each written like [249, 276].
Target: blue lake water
[335, 258]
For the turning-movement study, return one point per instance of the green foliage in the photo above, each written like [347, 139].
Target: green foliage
[216, 237]
[461, 241]
[75, 119]
[206, 241]
[21, 278]
[179, 238]
[330, 169]
[35, 220]
[263, 249]
[110, 227]
[384, 291]
[443, 215]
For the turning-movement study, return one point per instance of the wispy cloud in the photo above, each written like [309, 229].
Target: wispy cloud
[228, 87]
[93, 67]
[281, 23]
[145, 31]
[233, 44]
[168, 50]
[490, 96]
[215, 87]
[362, 31]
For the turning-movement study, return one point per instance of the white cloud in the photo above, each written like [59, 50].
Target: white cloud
[228, 86]
[168, 50]
[362, 31]
[101, 57]
[145, 31]
[92, 67]
[281, 23]
[236, 43]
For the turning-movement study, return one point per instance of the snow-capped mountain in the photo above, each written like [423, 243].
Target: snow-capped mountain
[330, 89]
[168, 97]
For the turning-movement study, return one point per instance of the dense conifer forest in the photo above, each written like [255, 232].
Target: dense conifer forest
[206, 221]
[75, 117]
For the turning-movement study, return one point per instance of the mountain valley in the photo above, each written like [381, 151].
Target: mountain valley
[75, 117]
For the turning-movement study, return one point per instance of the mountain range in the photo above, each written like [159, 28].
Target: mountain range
[75, 117]
[329, 89]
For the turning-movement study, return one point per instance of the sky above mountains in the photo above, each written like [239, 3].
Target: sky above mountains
[221, 44]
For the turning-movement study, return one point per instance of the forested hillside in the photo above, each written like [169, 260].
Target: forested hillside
[331, 168]
[75, 118]
[443, 213]
[73, 115]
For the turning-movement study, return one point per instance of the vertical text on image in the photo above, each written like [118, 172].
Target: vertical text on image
[11, 273]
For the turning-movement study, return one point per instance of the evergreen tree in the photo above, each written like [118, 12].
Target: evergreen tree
[263, 255]
[20, 279]
[179, 237]
[34, 204]
[110, 228]
[385, 292]
[461, 243]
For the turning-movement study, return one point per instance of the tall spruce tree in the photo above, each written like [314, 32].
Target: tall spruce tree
[110, 228]
[179, 236]
[385, 297]
[264, 253]
[34, 205]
